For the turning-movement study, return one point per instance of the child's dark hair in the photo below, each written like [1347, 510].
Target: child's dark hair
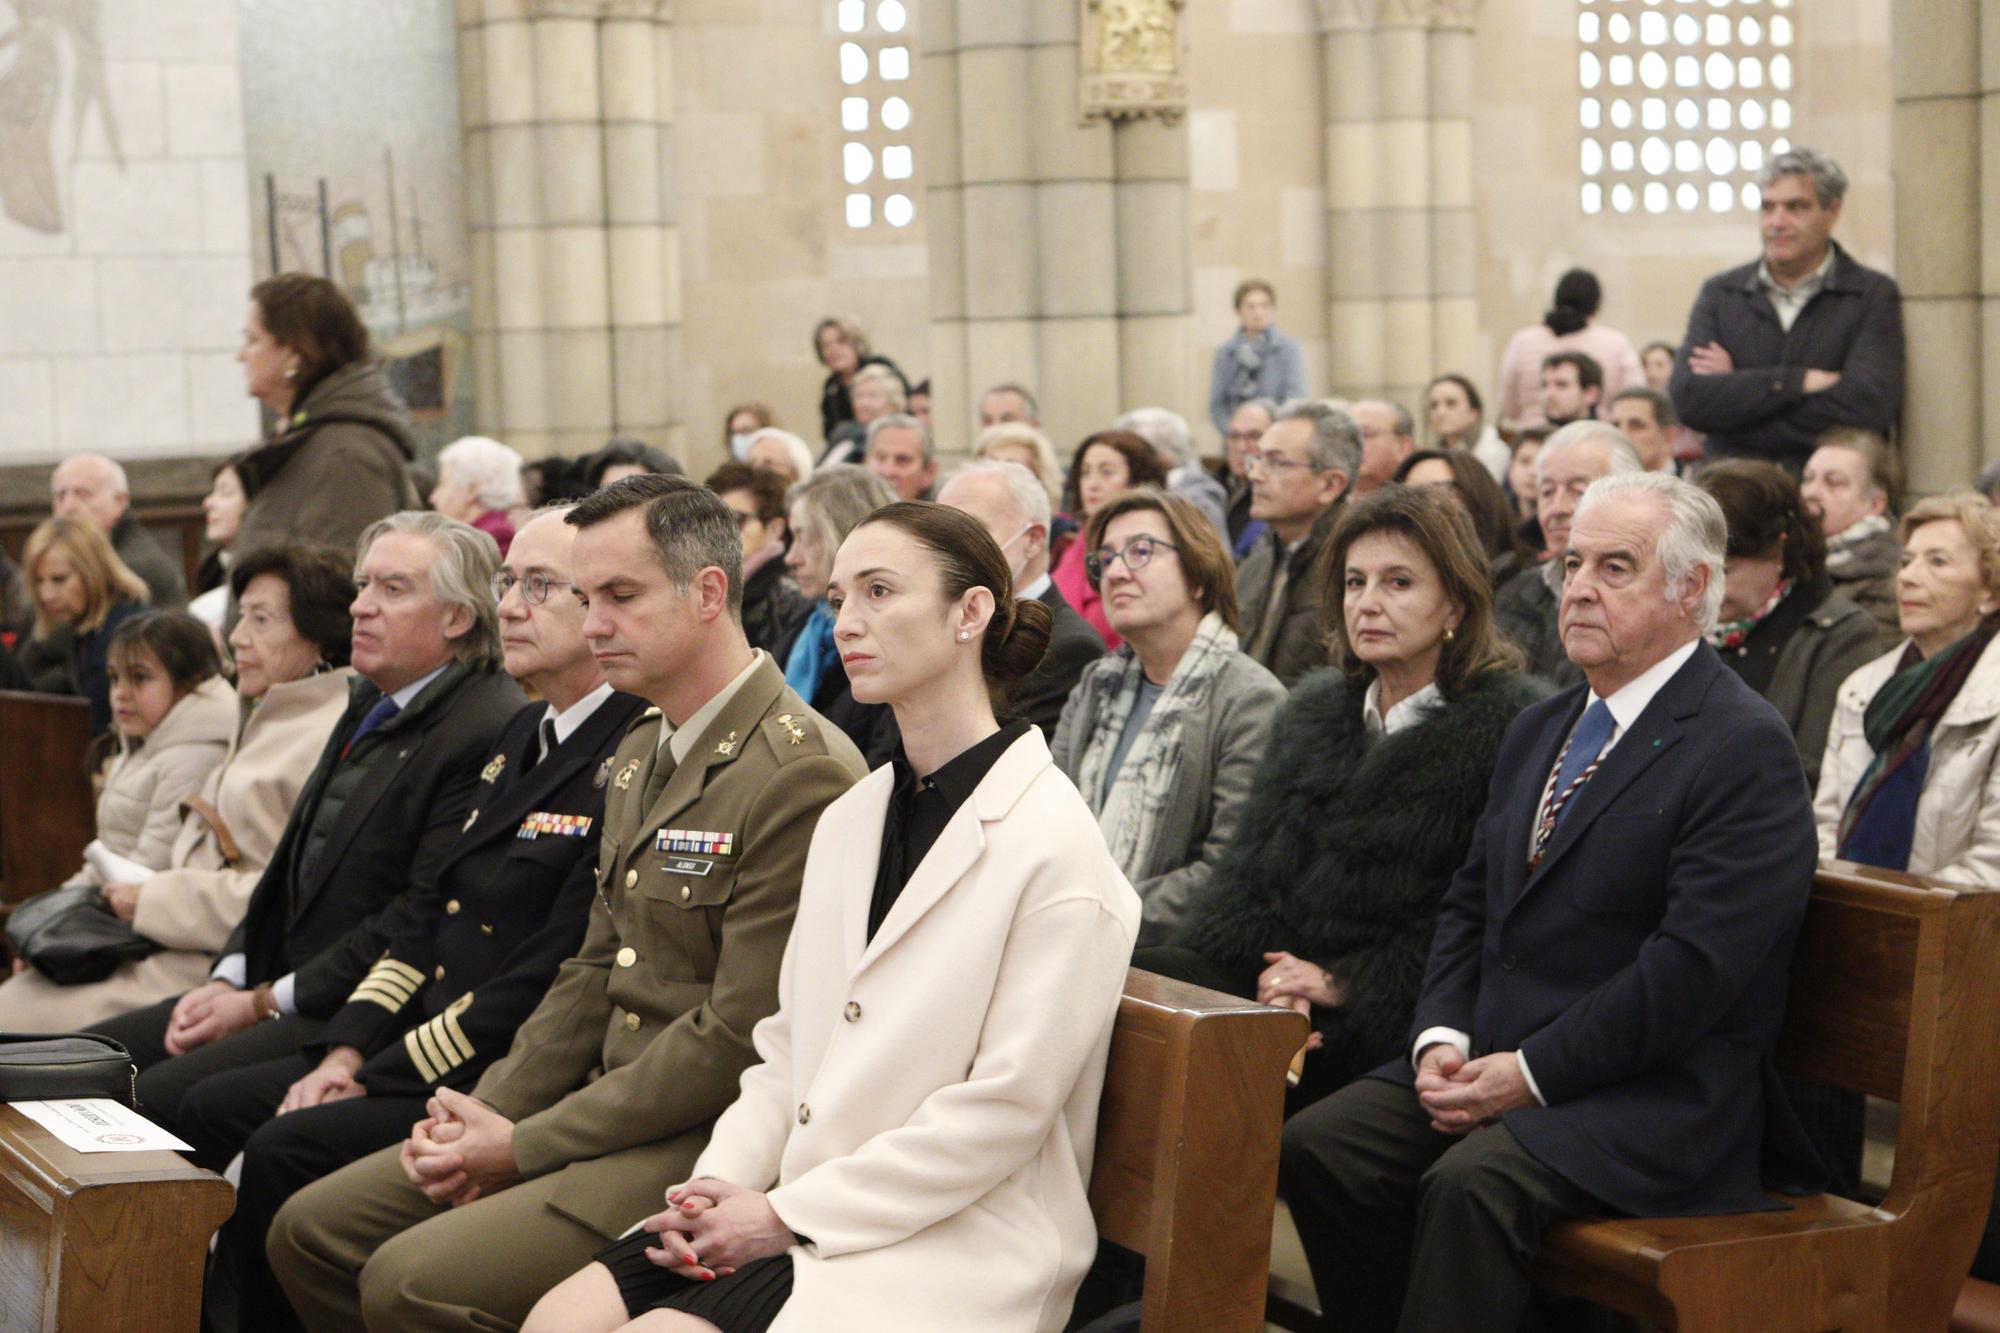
[182, 644]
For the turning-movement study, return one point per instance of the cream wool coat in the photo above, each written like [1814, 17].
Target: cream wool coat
[139, 810]
[193, 904]
[926, 1108]
[1958, 813]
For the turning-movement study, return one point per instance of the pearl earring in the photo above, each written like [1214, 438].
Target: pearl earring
[963, 635]
[291, 372]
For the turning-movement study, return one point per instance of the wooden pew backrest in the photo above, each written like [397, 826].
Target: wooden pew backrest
[1188, 1134]
[47, 812]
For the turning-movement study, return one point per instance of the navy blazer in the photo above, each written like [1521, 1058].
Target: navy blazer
[1642, 970]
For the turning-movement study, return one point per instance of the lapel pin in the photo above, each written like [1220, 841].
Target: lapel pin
[728, 747]
[623, 782]
[491, 773]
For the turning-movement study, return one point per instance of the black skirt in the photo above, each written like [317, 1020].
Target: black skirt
[746, 1301]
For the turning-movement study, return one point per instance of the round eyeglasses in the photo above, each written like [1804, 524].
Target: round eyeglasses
[1136, 554]
[535, 588]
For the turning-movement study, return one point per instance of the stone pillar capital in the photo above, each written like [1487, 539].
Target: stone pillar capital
[1367, 15]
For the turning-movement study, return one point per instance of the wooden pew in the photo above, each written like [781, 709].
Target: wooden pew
[1895, 993]
[1186, 1169]
[104, 1242]
[47, 812]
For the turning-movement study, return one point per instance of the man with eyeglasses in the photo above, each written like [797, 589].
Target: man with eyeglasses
[1388, 436]
[1244, 433]
[1012, 506]
[1299, 473]
[441, 980]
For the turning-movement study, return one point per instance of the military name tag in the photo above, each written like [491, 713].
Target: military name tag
[559, 826]
[694, 840]
[689, 865]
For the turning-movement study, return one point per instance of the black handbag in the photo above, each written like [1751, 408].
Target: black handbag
[72, 937]
[45, 1066]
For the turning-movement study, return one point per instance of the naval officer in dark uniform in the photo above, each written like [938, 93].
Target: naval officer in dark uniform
[612, 1086]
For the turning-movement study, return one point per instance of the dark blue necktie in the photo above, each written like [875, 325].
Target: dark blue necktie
[1584, 746]
[385, 708]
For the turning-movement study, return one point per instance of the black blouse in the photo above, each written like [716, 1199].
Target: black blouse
[919, 811]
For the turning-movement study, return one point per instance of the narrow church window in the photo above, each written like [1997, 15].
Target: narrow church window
[878, 161]
[1681, 102]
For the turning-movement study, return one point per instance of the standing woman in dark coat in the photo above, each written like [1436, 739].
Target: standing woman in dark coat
[1364, 805]
[842, 348]
[335, 462]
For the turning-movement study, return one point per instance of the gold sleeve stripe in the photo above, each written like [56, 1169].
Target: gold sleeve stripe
[393, 1001]
[434, 1055]
[390, 984]
[449, 1019]
[414, 1049]
[391, 970]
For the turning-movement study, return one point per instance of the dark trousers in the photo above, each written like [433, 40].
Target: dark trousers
[164, 1080]
[1412, 1230]
[232, 1112]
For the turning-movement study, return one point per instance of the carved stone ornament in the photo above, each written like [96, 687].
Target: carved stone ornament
[1131, 62]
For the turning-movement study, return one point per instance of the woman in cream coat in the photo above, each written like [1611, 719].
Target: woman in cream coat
[914, 1151]
[1946, 677]
[293, 625]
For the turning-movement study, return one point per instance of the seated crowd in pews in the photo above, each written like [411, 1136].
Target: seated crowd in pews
[607, 894]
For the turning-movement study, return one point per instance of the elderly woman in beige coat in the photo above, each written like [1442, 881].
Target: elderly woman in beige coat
[914, 1151]
[291, 645]
[1911, 776]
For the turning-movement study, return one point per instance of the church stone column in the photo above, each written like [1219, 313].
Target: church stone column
[1155, 288]
[1399, 192]
[567, 107]
[1022, 231]
[1936, 144]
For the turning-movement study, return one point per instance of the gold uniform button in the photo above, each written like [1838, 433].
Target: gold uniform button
[451, 908]
[631, 878]
[485, 929]
[686, 893]
[440, 972]
[627, 956]
[853, 1011]
[805, 1113]
[631, 1022]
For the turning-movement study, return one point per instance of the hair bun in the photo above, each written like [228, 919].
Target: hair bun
[1015, 649]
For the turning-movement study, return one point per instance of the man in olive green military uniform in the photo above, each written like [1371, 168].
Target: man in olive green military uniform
[613, 1083]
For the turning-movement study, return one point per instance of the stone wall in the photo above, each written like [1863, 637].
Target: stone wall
[124, 233]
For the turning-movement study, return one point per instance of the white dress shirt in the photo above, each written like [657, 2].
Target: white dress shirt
[1404, 714]
[567, 721]
[1625, 705]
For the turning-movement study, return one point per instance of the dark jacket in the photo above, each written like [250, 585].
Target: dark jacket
[1073, 645]
[1298, 646]
[388, 838]
[17, 607]
[771, 603]
[836, 407]
[1641, 971]
[468, 958]
[1854, 325]
[166, 581]
[1797, 657]
[1525, 608]
[65, 662]
[1345, 849]
[335, 467]
[872, 727]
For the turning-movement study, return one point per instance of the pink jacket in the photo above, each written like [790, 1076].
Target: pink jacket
[1521, 368]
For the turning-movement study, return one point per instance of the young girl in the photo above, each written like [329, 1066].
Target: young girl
[915, 1150]
[175, 717]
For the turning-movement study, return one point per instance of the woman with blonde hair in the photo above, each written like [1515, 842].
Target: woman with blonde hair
[842, 347]
[83, 592]
[1019, 442]
[1911, 776]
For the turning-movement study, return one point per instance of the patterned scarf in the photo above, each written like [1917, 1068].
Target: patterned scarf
[1146, 781]
[1732, 633]
[1840, 548]
[1898, 724]
[1243, 376]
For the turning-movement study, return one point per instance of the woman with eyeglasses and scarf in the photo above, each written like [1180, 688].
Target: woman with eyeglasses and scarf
[1162, 735]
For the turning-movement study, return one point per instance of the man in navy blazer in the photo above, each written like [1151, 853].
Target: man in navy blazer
[1605, 988]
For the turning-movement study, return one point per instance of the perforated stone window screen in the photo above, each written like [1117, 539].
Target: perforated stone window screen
[878, 164]
[1681, 102]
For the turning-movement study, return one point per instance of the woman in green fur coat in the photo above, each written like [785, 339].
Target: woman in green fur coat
[1365, 802]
